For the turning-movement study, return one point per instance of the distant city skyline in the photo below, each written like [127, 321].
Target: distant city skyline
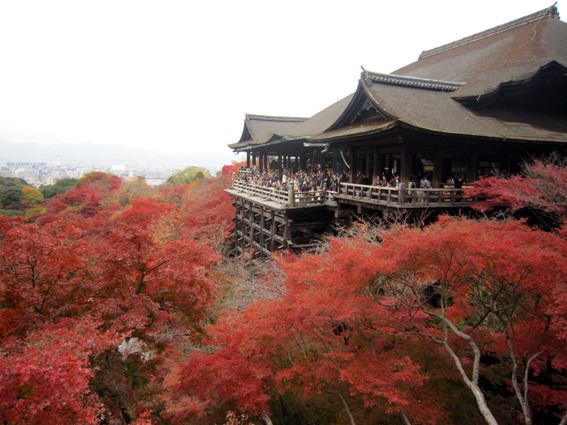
[36, 173]
[176, 77]
[105, 154]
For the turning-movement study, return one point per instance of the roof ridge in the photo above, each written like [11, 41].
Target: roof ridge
[549, 11]
[274, 118]
[405, 81]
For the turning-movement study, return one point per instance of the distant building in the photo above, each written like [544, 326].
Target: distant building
[6, 171]
[118, 168]
[30, 175]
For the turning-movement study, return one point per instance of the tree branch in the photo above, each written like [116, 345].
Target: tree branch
[405, 418]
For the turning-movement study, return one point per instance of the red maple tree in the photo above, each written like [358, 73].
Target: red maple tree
[82, 280]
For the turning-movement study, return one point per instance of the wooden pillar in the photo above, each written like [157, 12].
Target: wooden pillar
[405, 166]
[380, 162]
[253, 159]
[251, 222]
[336, 159]
[236, 222]
[437, 169]
[376, 166]
[287, 232]
[505, 169]
[273, 231]
[247, 159]
[473, 167]
[291, 196]
[353, 165]
[262, 212]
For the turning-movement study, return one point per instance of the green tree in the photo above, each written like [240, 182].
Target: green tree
[11, 193]
[188, 175]
[60, 186]
[31, 196]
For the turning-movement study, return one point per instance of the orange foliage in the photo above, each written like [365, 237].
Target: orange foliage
[350, 317]
[87, 276]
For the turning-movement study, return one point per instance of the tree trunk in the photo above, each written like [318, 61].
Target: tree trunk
[472, 382]
[349, 413]
[266, 419]
[482, 406]
[522, 398]
[405, 418]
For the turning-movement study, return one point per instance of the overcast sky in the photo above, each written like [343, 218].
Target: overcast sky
[178, 76]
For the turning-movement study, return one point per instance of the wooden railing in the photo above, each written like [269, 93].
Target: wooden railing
[261, 191]
[289, 198]
[242, 173]
[377, 195]
[415, 197]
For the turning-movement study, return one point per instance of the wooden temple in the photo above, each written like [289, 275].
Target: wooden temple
[475, 107]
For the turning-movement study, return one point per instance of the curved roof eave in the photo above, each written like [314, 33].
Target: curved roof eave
[523, 80]
[351, 134]
[354, 105]
[487, 137]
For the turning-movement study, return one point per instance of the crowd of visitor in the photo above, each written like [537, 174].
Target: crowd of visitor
[301, 181]
[326, 179]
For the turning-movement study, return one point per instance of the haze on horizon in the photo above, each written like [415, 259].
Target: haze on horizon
[177, 76]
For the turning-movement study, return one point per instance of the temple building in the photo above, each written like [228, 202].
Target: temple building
[476, 107]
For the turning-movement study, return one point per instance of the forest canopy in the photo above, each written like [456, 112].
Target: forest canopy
[188, 175]
[122, 303]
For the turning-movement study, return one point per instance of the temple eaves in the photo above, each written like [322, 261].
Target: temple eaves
[274, 118]
[405, 81]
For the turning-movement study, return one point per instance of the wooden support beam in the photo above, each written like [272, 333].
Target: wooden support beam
[267, 229]
[353, 165]
[287, 233]
[379, 163]
[335, 166]
[272, 230]
[405, 166]
[251, 220]
[473, 167]
[262, 227]
[437, 169]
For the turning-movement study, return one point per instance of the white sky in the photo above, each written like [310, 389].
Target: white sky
[178, 76]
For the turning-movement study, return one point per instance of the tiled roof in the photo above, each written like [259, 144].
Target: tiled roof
[441, 91]
[405, 81]
[274, 118]
[550, 11]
